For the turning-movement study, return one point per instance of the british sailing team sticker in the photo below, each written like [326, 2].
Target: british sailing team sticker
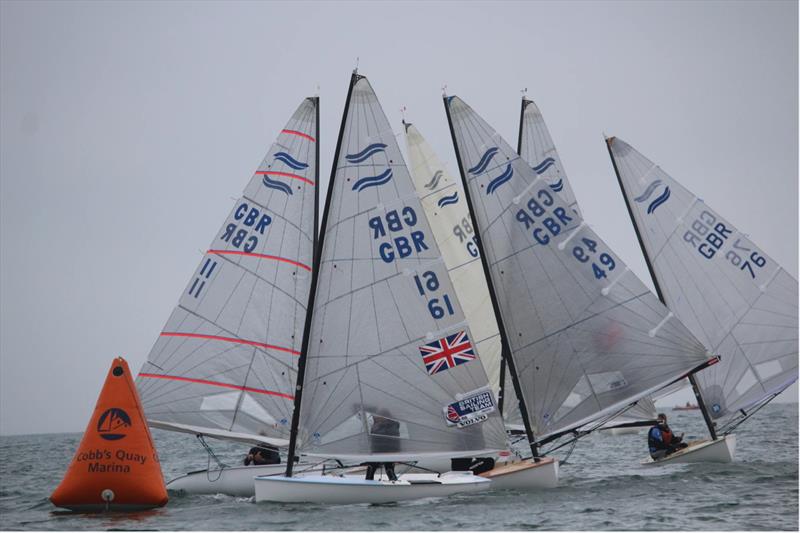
[474, 408]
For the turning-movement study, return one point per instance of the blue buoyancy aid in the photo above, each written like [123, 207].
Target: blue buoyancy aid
[655, 440]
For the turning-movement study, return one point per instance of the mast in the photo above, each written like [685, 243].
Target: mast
[506, 351]
[695, 387]
[503, 359]
[301, 364]
[315, 99]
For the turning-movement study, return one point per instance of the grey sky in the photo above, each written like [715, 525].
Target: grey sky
[127, 129]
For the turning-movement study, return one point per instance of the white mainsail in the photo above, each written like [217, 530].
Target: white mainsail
[733, 297]
[537, 148]
[587, 337]
[225, 364]
[442, 198]
[390, 371]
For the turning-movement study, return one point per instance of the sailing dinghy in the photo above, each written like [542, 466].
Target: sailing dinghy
[586, 338]
[442, 198]
[733, 297]
[225, 364]
[388, 368]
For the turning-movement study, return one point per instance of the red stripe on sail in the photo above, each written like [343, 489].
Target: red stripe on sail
[284, 174]
[261, 256]
[217, 384]
[300, 134]
[228, 339]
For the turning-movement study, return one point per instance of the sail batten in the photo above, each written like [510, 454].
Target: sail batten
[225, 363]
[583, 337]
[732, 296]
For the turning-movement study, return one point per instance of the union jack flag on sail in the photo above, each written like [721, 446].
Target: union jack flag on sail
[448, 352]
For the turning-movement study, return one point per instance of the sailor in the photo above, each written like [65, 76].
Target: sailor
[661, 441]
[262, 454]
[383, 438]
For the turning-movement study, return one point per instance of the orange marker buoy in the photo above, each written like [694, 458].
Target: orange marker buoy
[116, 466]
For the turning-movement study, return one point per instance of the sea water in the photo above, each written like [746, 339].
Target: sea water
[602, 486]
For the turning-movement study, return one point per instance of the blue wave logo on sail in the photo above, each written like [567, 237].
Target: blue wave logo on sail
[434, 180]
[648, 191]
[373, 181]
[366, 153]
[275, 184]
[659, 200]
[290, 161]
[544, 165]
[557, 186]
[500, 180]
[448, 200]
[484, 162]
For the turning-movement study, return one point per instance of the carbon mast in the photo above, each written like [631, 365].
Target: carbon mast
[695, 387]
[301, 364]
[506, 351]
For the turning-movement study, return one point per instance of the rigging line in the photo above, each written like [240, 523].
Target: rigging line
[731, 426]
[578, 433]
[211, 454]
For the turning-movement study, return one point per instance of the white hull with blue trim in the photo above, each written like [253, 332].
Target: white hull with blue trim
[350, 489]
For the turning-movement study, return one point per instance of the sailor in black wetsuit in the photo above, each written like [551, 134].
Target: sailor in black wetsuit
[262, 455]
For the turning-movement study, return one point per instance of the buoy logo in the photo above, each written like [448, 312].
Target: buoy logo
[113, 424]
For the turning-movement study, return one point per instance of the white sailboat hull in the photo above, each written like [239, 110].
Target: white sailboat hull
[705, 451]
[524, 475]
[235, 481]
[351, 489]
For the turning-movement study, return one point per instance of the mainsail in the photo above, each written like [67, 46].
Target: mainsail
[225, 364]
[733, 297]
[391, 372]
[537, 148]
[442, 198]
[587, 337]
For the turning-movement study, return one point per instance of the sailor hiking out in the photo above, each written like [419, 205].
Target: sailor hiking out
[661, 441]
